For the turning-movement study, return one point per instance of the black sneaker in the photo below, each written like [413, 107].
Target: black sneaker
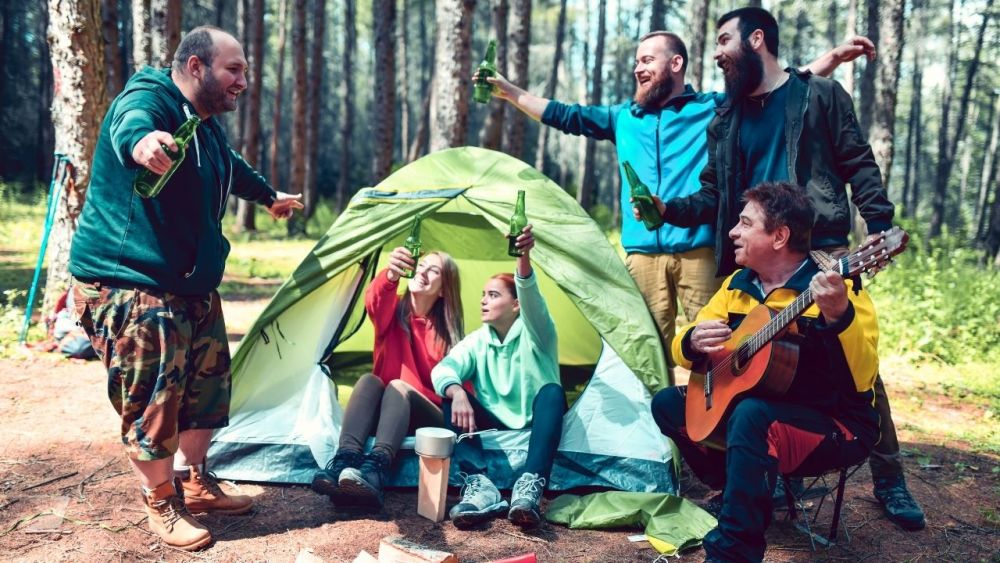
[898, 503]
[325, 480]
[524, 500]
[362, 486]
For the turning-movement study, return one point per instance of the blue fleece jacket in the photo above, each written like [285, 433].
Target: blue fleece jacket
[667, 148]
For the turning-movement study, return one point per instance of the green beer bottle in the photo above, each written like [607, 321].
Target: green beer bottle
[642, 199]
[518, 221]
[147, 184]
[412, 243]
[487, 69]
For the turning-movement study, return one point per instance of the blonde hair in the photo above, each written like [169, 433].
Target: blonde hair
[446, 313]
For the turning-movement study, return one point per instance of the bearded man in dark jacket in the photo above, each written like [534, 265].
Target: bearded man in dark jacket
[783, 125]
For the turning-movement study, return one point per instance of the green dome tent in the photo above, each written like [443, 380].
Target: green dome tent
[285, 418]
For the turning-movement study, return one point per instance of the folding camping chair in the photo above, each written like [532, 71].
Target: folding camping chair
[818, 487]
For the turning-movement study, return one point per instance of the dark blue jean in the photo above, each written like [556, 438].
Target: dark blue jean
[547, 410]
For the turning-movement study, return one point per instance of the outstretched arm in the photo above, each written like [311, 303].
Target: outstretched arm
[530, 104]
[847, 51]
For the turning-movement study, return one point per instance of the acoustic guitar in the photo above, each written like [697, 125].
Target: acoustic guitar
[761, 356]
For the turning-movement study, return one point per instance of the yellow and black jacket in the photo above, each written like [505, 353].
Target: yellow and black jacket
[837, 362]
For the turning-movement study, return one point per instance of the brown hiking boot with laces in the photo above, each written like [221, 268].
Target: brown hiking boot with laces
[170, 519]
[202, 493]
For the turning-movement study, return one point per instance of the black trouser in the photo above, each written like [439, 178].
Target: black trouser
[763, 438]
[547, 410]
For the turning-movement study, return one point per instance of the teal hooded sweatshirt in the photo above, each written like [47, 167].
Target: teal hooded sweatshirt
[172, 242]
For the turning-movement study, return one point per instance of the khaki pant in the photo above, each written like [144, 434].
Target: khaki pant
[663, 279]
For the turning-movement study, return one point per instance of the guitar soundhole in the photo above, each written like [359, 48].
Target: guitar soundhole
[741, 357]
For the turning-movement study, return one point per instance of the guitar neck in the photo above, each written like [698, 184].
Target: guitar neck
[780, 321]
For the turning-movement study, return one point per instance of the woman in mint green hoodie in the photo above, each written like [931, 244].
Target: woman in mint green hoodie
[513, 364]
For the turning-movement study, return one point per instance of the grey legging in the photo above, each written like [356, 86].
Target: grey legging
[403, 409]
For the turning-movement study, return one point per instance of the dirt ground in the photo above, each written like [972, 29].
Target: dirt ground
[59, 453]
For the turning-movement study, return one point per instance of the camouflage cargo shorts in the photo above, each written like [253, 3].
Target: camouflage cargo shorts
[167, 358]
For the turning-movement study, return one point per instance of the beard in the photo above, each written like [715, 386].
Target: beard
[212, 97]
[653, 96]
[745, 73]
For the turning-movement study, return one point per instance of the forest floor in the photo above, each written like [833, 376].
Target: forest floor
[59, 454]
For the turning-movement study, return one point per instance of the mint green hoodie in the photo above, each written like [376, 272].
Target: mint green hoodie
[172, 242]
[507, 375]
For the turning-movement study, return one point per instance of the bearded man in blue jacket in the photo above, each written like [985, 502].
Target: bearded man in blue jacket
[661, 133]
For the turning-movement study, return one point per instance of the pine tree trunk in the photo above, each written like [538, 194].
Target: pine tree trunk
[300, 103]
[383, 117]
[404, 82]
[347, 110]
[79, 103]
[246, 210]
[44, 138]
[142, 34]
[890, 54]
[550, 86]
[317, 63]
[518, 43]
[866, 106]
[112, 47]
[852, 29]
[989, 172]
[279, 90]
[832, 14]
[165, 31]
[658, 17]
[452, 68]
[993, 233]
[588, 186]
[491, 136]
[696, 48]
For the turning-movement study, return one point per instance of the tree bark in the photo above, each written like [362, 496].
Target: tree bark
[300, 94]
[658, 17]
[246, 210]
[279, 88]
[989, 172]
[518, 43]
[404, 83]
[317, 63]
[852, 29]
[491, 136]
[696, 49]
[866, 106]
[165, 30]
[993, 233]
[347, 110]
[588, 186]
[452, 68]
[890, 53]
[142, 30]
[550, 86]
[79, 103]
[383, 107]
[112, 47]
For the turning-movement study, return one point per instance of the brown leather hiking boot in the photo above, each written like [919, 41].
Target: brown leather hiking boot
[170, 519]
[203, 494]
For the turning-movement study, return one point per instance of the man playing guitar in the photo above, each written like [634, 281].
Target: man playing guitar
[825, 419]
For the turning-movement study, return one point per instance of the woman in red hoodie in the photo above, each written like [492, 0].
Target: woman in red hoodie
[413, 332]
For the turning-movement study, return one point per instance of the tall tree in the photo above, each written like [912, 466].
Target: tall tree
[948, 148]
[452, 68]
[658, 17]
[246, 210]
[914, 135]
[112, 47]
[383, 107]
[78, 106]
[588, 186]
[696, 49]
[347, 110]
[852, 29]
[165, 29]
[491, 135]
[518, 44]
[866, 103]
[142, 31]
[279, 88]
[317, 64]
[300, 93]
[550, 86]
[989, 172]
[404, 82]
[421, 139]
[890, 53]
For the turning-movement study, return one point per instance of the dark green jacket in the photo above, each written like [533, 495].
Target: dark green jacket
[826, 150]
[172, 242]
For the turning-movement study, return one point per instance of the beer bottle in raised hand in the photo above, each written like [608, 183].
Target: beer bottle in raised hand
[487, 69]
[413, 244]
[642, 199]
[147, 184]
[518, 221]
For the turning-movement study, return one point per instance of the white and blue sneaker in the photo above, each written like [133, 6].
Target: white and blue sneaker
[524, 500]
[481, 501]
